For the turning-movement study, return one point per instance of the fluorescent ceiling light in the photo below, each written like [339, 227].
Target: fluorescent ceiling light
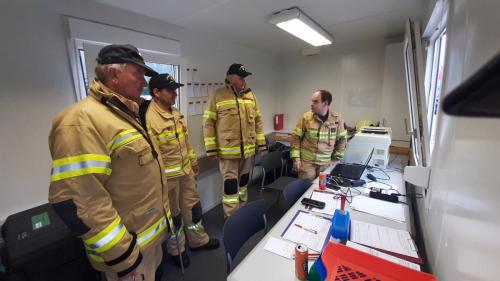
[297, 23]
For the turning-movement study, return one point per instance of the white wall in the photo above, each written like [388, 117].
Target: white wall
[36, 83]
[461, 221]
[361, 76]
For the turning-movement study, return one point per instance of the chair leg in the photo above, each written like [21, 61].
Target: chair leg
[179, 251]
[263, 179]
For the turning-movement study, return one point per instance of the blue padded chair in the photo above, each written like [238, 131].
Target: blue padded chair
[271, 162]
[294, 190]
[242, 225]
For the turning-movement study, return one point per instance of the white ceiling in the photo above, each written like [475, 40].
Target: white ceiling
[245, 22]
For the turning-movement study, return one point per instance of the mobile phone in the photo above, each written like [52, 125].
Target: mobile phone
[313, 203]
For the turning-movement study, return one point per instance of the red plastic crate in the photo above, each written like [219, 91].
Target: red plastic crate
[344, 263]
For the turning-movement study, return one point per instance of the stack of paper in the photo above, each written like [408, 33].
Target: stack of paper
[388, 210]
[384, 256]
[390, 240]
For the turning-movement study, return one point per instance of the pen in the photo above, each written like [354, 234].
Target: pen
[306, 229]
[324, 191]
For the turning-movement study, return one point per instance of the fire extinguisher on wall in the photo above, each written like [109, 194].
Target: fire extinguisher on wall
[278, 121]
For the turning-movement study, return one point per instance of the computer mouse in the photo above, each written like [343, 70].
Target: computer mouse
[371, 177]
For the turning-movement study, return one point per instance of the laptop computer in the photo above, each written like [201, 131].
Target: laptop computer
[351, 171]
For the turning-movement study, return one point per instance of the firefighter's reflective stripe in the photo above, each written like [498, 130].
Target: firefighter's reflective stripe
[210, 114]
[195, 226]
[236, 150]
[298, 132]
[209, 141]
[229, 150]
[107, 238]
[342, 135]
[122, 138]
[295, 153]
[167, 137]
[258, 113]
[148, 235]
[322, 135]
[260, 137]
[322, 157]
[242, 191]
[233, 102]
[177, 168]
[80, 165]
[338, 154]
[249, 148]
[143, 238]
[231, 199]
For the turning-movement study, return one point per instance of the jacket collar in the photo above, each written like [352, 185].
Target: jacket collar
[330, 120]
[244, 91]
[164, 113]
[99, 91]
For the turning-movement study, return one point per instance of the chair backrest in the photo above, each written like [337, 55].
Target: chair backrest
[272, 161]
[241, 225]
[295, 189]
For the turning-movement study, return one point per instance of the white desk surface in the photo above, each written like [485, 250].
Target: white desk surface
[262, 265]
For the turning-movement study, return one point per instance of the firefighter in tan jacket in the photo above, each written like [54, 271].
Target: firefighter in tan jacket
[319, 139]
[168, 127]
[107, 180]
[233, 133]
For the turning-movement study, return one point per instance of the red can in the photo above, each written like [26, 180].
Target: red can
[301, 260]
[322, 181]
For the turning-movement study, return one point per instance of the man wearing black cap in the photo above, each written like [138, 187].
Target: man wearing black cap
[233, 133]
[107, 181]
[168, 127]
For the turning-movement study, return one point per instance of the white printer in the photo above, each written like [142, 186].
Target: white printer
[359, 147]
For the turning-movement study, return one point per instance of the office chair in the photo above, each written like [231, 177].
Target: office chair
[294, 190]
[240, 226]
[270, 163]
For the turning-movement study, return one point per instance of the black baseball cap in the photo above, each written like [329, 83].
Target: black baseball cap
[163, 81]
[238, 69]
[123, 54]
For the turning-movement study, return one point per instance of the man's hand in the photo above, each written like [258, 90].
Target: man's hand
[296, 164]
[214, 157]
[196, 169]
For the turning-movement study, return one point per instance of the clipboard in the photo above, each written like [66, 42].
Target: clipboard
[314, 241]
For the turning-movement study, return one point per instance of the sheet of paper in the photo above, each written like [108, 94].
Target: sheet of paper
[309, 223]
[388, 210]
[280, 247]
[198, 108]
[330, 202]
[191, 108]
[381, 237]
[384, 256]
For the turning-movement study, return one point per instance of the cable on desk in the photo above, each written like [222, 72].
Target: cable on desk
[370, 168]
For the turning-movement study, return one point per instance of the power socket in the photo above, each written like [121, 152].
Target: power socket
[385, 197]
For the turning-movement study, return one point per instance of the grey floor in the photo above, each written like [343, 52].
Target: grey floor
[211, 265]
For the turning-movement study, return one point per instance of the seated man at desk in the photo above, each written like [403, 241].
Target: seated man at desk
[319, 138]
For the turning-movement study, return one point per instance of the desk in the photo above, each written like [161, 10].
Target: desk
[260, 264]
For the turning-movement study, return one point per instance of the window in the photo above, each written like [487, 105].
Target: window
[87, 67]
[435, 83]
[435, 35]
[171, 69]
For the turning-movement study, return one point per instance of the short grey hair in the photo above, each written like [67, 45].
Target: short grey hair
[101, 70]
